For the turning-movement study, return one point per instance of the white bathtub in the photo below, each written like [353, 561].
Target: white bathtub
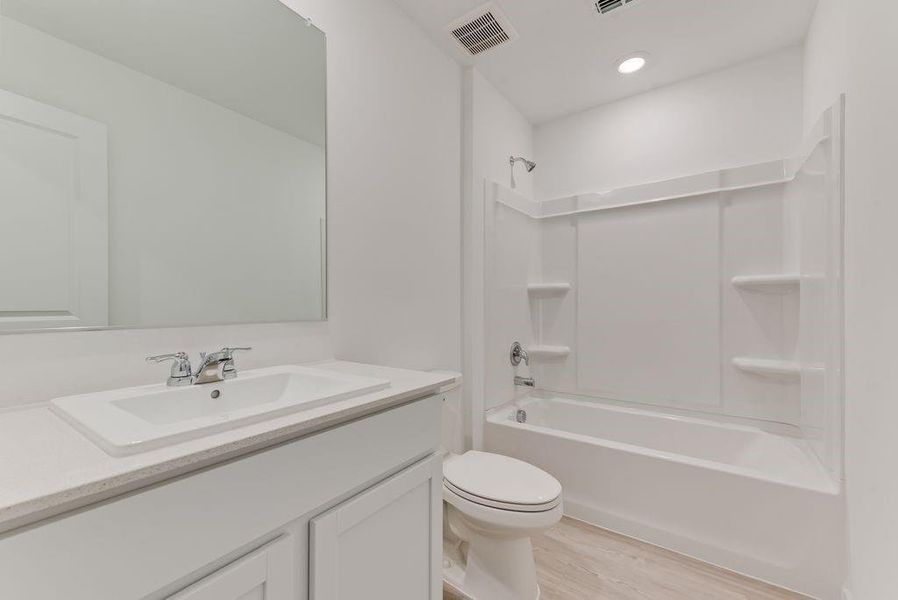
[732, 495]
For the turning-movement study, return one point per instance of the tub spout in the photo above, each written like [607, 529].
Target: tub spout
[524, 381]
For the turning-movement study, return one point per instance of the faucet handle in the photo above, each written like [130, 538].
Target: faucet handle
[228, 369]
[230, 351]
[181, 373]
[517, 354]
[175, 356]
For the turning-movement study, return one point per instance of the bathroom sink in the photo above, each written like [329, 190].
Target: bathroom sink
[131, 420]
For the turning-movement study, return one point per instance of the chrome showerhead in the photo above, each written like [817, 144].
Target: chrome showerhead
[528, 164]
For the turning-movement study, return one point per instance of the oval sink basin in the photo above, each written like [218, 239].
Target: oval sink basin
[132, 420]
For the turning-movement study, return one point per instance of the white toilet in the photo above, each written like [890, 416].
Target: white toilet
[492, 505]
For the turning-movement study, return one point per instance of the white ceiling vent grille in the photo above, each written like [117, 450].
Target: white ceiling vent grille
[482, 29]
[606, 6]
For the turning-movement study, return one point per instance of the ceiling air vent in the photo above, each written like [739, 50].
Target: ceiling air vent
[606, 6]
[482, 29]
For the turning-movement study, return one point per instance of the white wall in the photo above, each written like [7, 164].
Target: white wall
[826, 59]
[493, 130]
[871, 296]
[746, 114]
[394, 153]
[500, 131]
[855, 51]
[393, 158]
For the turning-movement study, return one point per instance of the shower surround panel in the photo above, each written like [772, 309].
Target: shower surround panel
[648, 301]
[652, 316]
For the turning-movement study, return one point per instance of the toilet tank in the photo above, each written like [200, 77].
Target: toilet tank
[453, 430]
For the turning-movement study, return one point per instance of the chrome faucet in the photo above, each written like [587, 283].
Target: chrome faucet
[217, 366]
[516, 355]
[214, 367]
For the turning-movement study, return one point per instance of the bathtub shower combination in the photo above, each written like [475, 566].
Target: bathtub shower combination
[686, 352]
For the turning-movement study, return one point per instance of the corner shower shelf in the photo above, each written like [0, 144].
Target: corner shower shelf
[780, 369]
[768, 284]
[548, 352]
[548, 290]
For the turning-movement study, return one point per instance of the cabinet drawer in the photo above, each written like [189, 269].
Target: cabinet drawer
[264, 574]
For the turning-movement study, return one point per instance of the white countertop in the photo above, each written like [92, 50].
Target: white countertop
[48, 467]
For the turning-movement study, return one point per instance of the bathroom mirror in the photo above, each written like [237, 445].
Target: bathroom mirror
[162, 164]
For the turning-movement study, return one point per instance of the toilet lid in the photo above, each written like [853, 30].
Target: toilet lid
[501, 479]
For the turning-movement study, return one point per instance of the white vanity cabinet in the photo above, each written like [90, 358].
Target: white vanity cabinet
[347, 513]
[383, 543]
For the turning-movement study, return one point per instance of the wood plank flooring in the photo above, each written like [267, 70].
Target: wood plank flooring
[576, 561]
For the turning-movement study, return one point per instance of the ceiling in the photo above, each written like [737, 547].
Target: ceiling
[565, 59]
[257, 58]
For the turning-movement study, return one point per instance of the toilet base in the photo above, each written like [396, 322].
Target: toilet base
[487, 568]
[454, 569]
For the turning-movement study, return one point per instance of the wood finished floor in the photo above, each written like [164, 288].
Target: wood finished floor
[576, 561]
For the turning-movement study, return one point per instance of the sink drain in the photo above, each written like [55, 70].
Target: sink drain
[215, 394]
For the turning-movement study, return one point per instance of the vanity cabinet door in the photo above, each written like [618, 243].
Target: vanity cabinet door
[383, 544]
[265, 574]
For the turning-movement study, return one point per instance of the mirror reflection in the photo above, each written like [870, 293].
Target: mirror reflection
[161, 164]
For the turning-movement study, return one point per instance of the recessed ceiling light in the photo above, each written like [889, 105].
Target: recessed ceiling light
[632, 63]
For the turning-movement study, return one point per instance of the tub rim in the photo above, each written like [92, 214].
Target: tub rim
[825, 483]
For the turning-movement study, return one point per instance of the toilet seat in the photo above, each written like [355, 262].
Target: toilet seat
[501, 522]
[501, 482]
[487, 502]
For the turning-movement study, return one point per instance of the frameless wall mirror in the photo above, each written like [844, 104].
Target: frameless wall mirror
[162, 163]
